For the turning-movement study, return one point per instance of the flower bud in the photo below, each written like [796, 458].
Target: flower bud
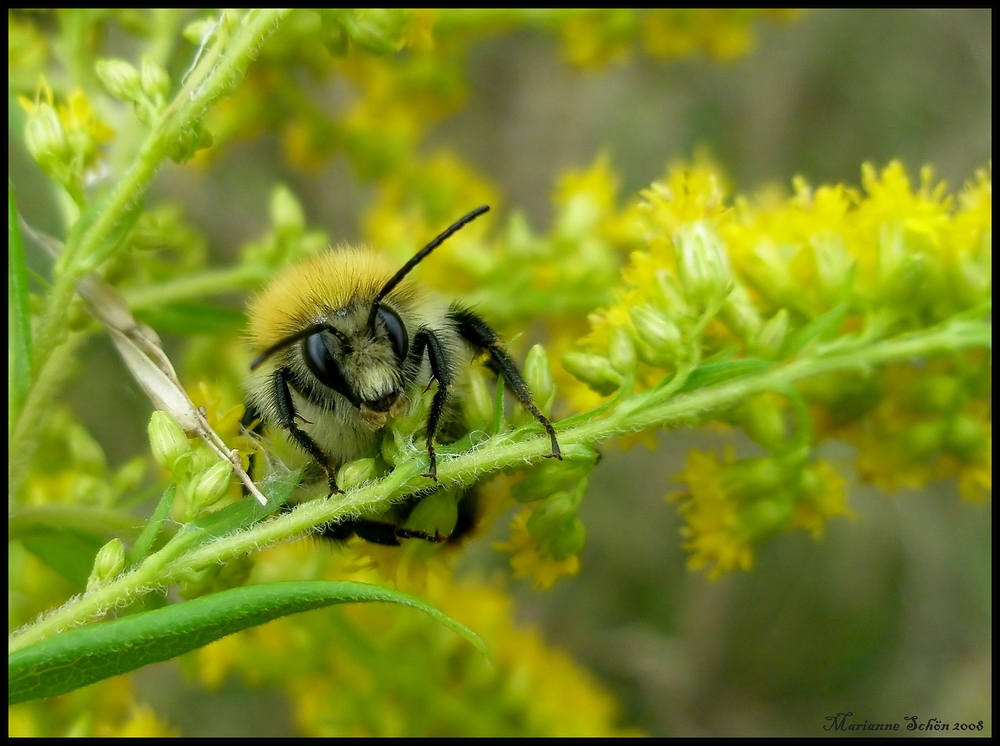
[477, 404]
[565, 542]
[702, 262]
[833, 265]
[197, 32]
[548, 517]
[923, 439]
[167, 440]
[108, 564]
[767, 515]
[436, 514]
[757, 477]
[621, 351]
[763, 420]
[213, 483]
[593, 370]
[355, 472]
[538, 374]
[740, 314]
[155, 81]
[120, 79]
[551, 476]
[44, 136]
[966, 438]
[772, 335]
[286, 212]
[659, 335]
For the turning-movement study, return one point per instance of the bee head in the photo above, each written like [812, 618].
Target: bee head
[361, 350]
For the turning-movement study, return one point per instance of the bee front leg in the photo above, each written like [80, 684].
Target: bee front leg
[286, 418]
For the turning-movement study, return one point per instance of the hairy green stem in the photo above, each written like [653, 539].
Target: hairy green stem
[504, 451]
[86, 249]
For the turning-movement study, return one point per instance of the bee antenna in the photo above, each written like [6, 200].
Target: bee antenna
[420, 256]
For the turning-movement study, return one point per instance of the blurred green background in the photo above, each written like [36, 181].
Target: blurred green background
[887, 617]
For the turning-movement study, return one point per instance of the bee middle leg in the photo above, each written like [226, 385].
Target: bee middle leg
[440, 370]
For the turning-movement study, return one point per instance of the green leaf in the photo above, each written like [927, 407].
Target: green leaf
[194, 318]
[83, 656]
[823, 325]
[713, 373]
[19, 307]
[152, 529]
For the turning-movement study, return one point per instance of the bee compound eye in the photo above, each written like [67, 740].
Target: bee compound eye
[323, 364]
[396, 332]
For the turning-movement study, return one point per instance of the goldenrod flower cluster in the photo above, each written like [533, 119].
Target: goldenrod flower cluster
[748, 278]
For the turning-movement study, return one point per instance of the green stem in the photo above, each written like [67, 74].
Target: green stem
[85, 250]
[166, 566]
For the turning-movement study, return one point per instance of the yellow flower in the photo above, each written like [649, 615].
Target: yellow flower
[713, 530]
[529, 561]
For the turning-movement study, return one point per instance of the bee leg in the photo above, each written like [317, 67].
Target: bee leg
[375, 532]
[479, 334]
[426, 339]
[286, 418]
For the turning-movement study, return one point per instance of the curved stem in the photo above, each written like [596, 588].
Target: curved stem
[167, 566]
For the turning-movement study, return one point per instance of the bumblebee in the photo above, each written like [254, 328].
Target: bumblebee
[346, 342]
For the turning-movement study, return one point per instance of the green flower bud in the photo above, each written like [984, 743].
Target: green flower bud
[757, 477]
[740, 314]
[197, 32]
[549, 517]
[923, 439]
[763, 420]
[966, 438]
[155, 81]
[567, 542]
[538, 375]
[167, 440]
[593, 370]
[768, 515]
[772, 335]
[549, 477]
[621, 351]
[108, 564]
[45, 138]
[355, 472]
[435, 514]
[833, 265]
[937, 393]
[286, 212]
[557, 528]
[702, 262]
[477, 404]
[660, 337]
[213, 483]
[120, 79]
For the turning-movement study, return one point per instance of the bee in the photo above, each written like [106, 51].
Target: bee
[345, 343]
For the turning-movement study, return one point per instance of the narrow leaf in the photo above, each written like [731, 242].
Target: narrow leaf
[83, 656]
[713, 373]
[19, 307]
[819, 327]
[152, 529]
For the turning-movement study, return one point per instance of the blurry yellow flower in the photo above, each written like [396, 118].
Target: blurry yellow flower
[713, 531]
[528, 560]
